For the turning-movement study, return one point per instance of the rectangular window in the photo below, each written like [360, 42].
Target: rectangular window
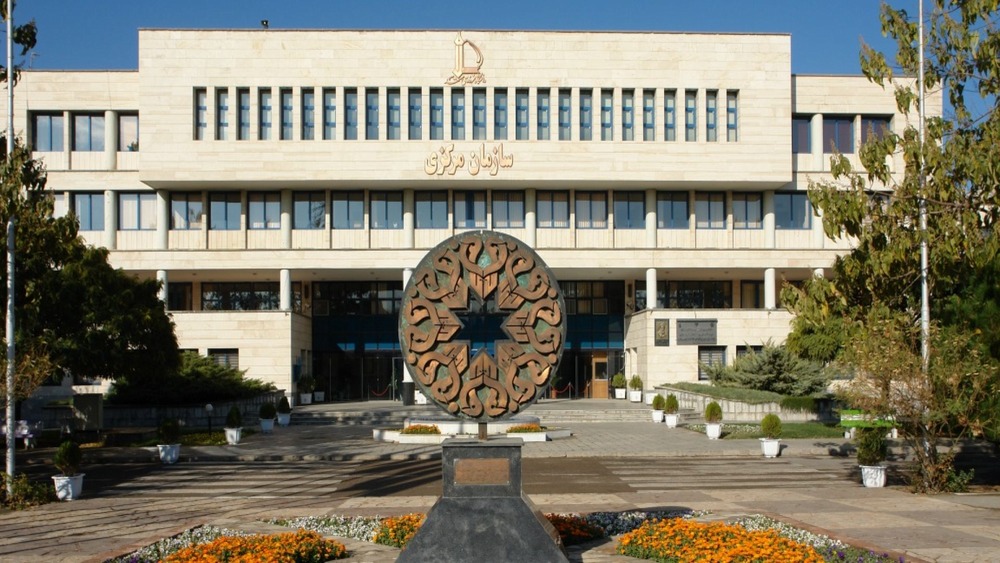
[221, 114]
[591, 210]
[200, 113]
[470, 210]
[500, 114]
[732, 116]
[186, 211]
[88, 132]
[264, 108]
[128, 132]
[552, 209]
[371, 114]
[690, 115]
[264, 211]
[393, 125]
[586, 115]
[415, 116]
[743, 350]
[179, 296]
[672, 210]
[630, 210]
[348, 210]
[874, 128]
[648, 115]
[508, 210]
[136, 212]
[748, 212]
[479, 114]
[521, 114]
[607, 115]
[709, 356]
[792, 211]
[751, 295]
[543, 113]
[437, 114]
[838, 134]
[240, 296]
[386, 210]
[669, 115]
[243, 115]
[224, 211]
[710, 210]
[712, 115]
[48, 132]
[565, 114]
[309, 210]
[229, 358]
[801, 134]
[89, 210]
[628, 115]
[700, 295]
[329, 114]
[308, 114]
[431, 210]
[457, 114]
[351, 114]
[286, 114]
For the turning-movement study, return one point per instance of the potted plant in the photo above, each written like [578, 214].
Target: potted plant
[306, 386]
[284, 412]
[658, 403]
[319, 394]
[234, 425]
[713, 420]
[635, 389]
[872, 451]
[67, 460]
[670, 408]
[169, 447]
[267, 415]
[618, 383]
[770, 444]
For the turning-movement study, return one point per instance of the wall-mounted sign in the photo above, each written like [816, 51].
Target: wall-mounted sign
[697, 331]
[661, 332]
[466, 74]
[446, 161]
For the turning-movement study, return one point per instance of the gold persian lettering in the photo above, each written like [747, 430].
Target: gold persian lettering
[445, 160]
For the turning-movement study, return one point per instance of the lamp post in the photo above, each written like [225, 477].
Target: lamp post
[208, 411]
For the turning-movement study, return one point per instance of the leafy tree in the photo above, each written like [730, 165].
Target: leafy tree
[773, 369]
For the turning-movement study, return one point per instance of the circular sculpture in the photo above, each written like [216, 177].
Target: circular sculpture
[489, 296]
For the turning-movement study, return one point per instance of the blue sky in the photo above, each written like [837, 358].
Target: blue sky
[102, 34]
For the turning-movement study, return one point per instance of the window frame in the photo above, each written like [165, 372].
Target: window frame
[430, 209]
[628, 115]
[265, 113]
[243, 114]
[87, 123]
[350, 114]
[55, 125]
[565, 103]
[506, 207]
[591, 210]
[144, 218]
[308, 202]
[191, 204]
[648, 115]
[788, 221]
[263, 211]
[329, 114]
[308, 113]
[500, 114]
[670, 115]
[94, 207]
[744, 206]
[714, 204]
[630, 210]
[543, 114]
[607, 114]
[286, 116]
[479, 114]
[393, 114]
[586, 114]
[552, 209]
[690, 116]
[464, 201]
[347, 210]
[231, 208]
[671, 200]
[838, 134]
[414, 100]
[386, 210]
[371, 114]
[458, 114]
[521, 114]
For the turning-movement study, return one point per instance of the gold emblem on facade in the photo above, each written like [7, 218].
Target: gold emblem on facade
[466, 74]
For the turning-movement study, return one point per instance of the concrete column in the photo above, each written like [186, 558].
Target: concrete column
[816, 142]
[651, 218]
[110, 140]
[161, 276]
[285, 288]
[162, 219]
[530, 218]
[409, 388]
[68, 138]
[409, 232]
[286, 218]
[770, 301]
[110, 220]
[651, 302]
[769, 235]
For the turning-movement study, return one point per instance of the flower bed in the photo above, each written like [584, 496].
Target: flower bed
[293, 547]
[421, 429]
[525, 428]
[685, 540]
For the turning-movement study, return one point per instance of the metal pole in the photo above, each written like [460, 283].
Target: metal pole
[925, 310]
[11, 439]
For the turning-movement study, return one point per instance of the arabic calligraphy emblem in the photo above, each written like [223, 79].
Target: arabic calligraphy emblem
[446, 161]
[466, 74]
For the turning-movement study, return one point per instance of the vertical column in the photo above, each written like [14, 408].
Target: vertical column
[651, 218]
[68, 138]
[574, 114]
[161, 276]
[162, 219]
[533, 113]
[816, 141]
[409, 234]
[383, 110]
[286, 218]
[408, 385]
[285, 288]
[110, 220]
[530, 218]
[769, 234]
[110, 140]
[616, 114]
[770, 301]
[651, 294]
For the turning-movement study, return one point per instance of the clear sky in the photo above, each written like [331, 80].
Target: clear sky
[102, 34]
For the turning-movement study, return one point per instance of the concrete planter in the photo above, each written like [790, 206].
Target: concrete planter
[169, 453]
[713, 430]
[305, 398]
[266, 425]
[68, 487]
[619, 392]
[657, 416]
[233, 436]
[770, 447]
[284, 418]
[635, 396]
[873, 475]
[671, 419]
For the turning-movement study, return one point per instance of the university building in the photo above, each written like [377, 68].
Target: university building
[282, 184]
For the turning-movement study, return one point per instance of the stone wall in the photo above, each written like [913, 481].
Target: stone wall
[738, 411]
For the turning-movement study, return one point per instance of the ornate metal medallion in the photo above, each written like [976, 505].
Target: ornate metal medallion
[482, 325]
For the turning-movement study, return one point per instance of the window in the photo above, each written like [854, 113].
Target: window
[240, 296]
[672, 210]
[308, 114]
[710, 210]
[136, 212]
[691, 115]
[479, 114]
[792, 211]
[367, 298]
[500, 114]
[392, 102]
[508, 210]
[186, 211]
[543, 114]
[708, 356]
[431, 210]
[748, 211]
[591, 210]
[648, 115]
[607, 115]
[732, 116]
[128, 132]
[470, 210]
[565, 115]
[874, 128]
[587, 298]
[521, 114]
[630, 210]
[264, 108]
[221, 114]
[200, 113]
[415, 116]
[838, 134]
[351, 114]
[309, 210]
[329, 114]
[437, 114]
[48, 131]
[586, 115]
[286, 114]
[224, 211]
[371, 114]
[348, 210]
[243, 115]
[88, 132]
[264, 211]
[669, 115]
[179, 296]
[751, 295]
[89, 210]
[700, 295]
[386, 210]
[229, 358]
[712, 115]
[458, 114]
[628, 115]
[552, 209]
[801, 134]
[743, 350]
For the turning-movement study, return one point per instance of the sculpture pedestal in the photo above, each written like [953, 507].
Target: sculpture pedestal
[483, 514]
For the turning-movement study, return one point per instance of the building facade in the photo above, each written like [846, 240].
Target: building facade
[283, 184]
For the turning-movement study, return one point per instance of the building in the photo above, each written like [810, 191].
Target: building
[282, 185]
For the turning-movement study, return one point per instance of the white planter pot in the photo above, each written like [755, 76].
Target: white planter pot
[619, 392]
[305, 398]
[649, 396]
[233, 436]
[671, 420]
[169, 453]
[68, 488]
[873, 475]
[635, 396]
[657, 416]
[284, 418]
[713, 430]
[319, 396]
[770, 447]
[267, 425]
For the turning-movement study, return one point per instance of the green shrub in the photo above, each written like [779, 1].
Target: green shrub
[618, 381]
[671, 406]
[658, 402]
[267, 411]
[68, 458]
[751, 396]
[234, 418]
[871, 445]
[306, 384]
[170, 431]
[421, 429]
[770, 426]
[283, 406]
[525, 428]
[774, 369]
[800, 404]
[635, 383]
[25, 493]
[713, 412]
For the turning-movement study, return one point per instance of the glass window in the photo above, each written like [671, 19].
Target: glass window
[607, 115]
[457, 114]
[630, 210]
[179, 296]
[565, 114]
[552, 209]
[710, 210]
[264, 108]
[264, 210]
[801, 134]
[431, 209]
[240, 296]
[648, 115]
[500, 114]
[386, 210]
[672, 210]
[591, 210]
[348, 210]
[89, 210]
[224, 211]
[691, 115]
[351, 114]
[586, 115]
[508, 210]
[708, 356]
[371, 114]
[309, 210]
[628, 115]
[136, 212]
[88, 132]
[200, 113]
[748, 212]
[229, 357]
[437, 114]
[128, 132]
[751, 295]
[543, 112]
[392, 102]
[792, 211]
[186, 211]
[700, 295]
[669, 115]
[48, 131]
[415, 116]
[838, 134]
[243, 115]
[479, 114]
[308, 114]
[286, 114]
[222, 114]
[521, 114]
[732, 116]
[470, 210]
[712, 115]
[874, 127]
[329, 114]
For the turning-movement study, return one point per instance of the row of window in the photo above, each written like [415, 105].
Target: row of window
[87, 133]
[838, 132]
[137, 211]
[363, 118]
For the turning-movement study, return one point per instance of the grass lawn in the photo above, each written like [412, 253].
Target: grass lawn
[789, 430]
